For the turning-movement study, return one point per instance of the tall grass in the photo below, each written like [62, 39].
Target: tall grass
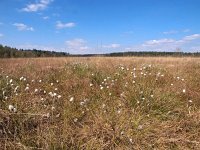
[100, 103]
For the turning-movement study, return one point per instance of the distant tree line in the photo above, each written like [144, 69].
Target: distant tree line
[142, 54]
[9, 52]
[153, 53]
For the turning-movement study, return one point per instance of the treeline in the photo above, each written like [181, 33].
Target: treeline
[153, 53]
[9, 52]
[142, 54]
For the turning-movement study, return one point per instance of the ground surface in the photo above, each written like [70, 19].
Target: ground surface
[100, 103]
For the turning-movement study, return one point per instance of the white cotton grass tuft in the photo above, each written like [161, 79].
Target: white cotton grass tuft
[51, 94]
[118, 111]
[184, 90]
[82, 103]
[131, 140]
[12, 108]
[75, 119]
[36, 90]
[27, 88]
[15, 90]
[140, 127]
[52, 108]
[190, 101]
[71, 99]
[21, 78]
[104, 105]
[11, 80]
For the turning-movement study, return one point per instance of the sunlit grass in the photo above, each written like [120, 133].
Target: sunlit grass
[100, 103]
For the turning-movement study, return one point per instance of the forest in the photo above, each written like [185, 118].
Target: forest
[9, 52]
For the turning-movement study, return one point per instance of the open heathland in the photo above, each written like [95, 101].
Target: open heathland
[100, 103]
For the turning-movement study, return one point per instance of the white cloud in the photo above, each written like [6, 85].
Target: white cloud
[1, 35]
[23, 27]
[195, 48]
[34, 7]
[77, 45]
[114, 45]
[170, 32]
[168, 44]
[128, 48]
[191, 37]
[45, 17]
[186, 30]
[176, 31]
[60, 25]
[83, 48]
[158, 42]
[55, 14]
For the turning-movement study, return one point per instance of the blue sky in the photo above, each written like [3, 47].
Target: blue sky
[101, 26]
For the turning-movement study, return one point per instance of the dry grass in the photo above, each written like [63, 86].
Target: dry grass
[100, 103]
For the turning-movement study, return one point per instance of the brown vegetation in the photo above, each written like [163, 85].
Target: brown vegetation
[100, 103]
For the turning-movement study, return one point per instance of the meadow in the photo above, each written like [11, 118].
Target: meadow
[100, 103]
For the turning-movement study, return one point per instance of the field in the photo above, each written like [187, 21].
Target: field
[100, 103]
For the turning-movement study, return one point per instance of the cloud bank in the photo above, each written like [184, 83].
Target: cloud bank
[34, 7]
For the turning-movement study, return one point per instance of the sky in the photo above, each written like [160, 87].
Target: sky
[101, 26]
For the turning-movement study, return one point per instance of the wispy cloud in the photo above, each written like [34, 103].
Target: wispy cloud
[191, 37]
[1, 35]
[168, 44]
[60, 25]
[176, 31]
[127, 33]
[45, 17]
[1, 23]
[23, 27]
[37, 6]
[186, 30]
[170, 32]
[77, 45]
[55, 14]
[114, 45]
[158, 42]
